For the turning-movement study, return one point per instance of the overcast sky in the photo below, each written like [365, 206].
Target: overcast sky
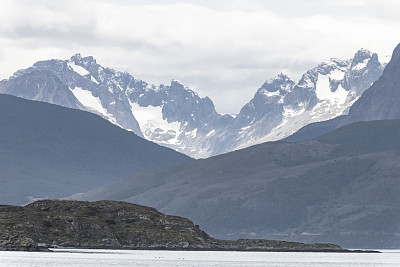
[224, 49]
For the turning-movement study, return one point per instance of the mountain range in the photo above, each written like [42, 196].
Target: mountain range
[49, 151]
[340, 187]
[175, 116]
[332, 181]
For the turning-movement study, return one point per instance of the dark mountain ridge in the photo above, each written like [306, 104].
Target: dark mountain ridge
[341, 188]
[52, 151]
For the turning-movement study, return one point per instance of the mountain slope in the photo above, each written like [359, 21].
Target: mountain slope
[341, 188]
[175, 116]
[51, 151]
[382, 99]
[41, 86]
[379, 102]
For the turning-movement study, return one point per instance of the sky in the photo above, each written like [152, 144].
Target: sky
[224, 49]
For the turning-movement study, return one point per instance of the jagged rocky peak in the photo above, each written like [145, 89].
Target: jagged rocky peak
[184, 105]
[365, 68]
[76, 57]
[179, 87]
[361, 56]
[281, 82]
[115, 80]
[79, 60]
[88, 65]
[189, 95]
[179, 84]
[329, 66]
[374, 60]
[365, 61]
[381, 100]
[267, 101]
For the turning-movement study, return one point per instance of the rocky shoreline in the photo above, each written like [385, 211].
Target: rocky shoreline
[48, 224]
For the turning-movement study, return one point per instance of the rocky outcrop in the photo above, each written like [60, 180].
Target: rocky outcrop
[117, 225]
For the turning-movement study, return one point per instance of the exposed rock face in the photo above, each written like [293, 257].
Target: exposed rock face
[116, 225]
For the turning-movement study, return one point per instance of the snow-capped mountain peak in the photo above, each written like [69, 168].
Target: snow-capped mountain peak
[280, 107]
[83, 61]
[361, 56]
[78, 69]
[179, 83]
[281, 83]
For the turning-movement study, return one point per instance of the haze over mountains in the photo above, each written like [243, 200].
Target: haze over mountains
[48, 151]
[341, 187]
[176, 117]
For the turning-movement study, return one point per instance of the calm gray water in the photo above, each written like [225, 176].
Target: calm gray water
[100, 258]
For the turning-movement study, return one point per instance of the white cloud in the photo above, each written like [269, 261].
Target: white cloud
[223, 49]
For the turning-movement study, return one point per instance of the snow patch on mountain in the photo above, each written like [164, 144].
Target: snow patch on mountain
[361, 65]
[154, 126]
[337, 74]
[94, 79]
[269, 94]
[92, 102]
[192, 134]
[78, 69]
[324, 91]
[289, 112]
[210, 133]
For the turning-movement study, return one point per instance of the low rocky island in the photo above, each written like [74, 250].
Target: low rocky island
[118, 225]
